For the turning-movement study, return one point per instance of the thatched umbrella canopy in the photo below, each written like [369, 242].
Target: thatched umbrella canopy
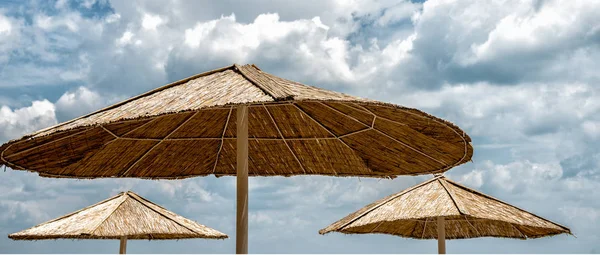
[442, 209]
[191, 128]
[124, 216]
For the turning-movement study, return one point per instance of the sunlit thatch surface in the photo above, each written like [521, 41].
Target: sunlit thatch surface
[124, 215]
[187, 129]
[468, 214]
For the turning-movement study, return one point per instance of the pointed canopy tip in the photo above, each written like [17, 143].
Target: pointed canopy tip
[124, 215]
[469, 214]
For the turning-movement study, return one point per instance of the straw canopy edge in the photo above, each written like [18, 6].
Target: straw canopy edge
[124, 215]
[412, 213]
[294, 129]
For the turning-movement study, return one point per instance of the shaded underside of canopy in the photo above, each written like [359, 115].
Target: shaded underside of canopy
[468, 213]
[187, 129]
[125, 215]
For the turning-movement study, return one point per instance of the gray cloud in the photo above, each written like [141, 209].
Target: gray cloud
[466, 42]
[536, 141]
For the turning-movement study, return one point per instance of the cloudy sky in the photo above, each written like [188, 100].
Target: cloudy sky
[520, 76]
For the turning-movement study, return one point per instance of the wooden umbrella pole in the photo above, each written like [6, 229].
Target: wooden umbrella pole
[123, 246]
[441, 235]
[241, 234]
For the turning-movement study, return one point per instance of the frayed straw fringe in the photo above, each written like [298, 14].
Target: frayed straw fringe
[187, 129]
[124, 215]
[412, 213]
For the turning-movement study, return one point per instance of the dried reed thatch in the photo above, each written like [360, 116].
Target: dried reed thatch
[188, 128]
[468, 213]
[124, 215]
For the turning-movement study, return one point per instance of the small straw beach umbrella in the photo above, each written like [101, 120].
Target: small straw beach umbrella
[442, 209]
[124, 216]
[241, 121]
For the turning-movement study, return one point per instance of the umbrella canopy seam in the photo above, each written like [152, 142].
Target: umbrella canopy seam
[425, 154]
[450, 127]
[373, 127]
[108, 131]
[153, 222]
[144, 95]
[383, 202]
[222, 139]
[277, 95]
[328, 130]
[75, 212]
[500, 201]
[123, 197]
[150, 122]
[155, 145]
[431, 145]
[381, 104]
[518, 230]
[424, 227]
[466, 213]
[451, 194]
[284, 140]
[338, 111]
[427, 220]
[467, 220]
[144, 201]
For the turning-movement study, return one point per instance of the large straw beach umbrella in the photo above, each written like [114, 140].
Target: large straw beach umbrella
[442, 209]
[239, 120]
[124, 216]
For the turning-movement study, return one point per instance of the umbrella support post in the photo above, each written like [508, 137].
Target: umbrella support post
[241, 230]
[123, 246]
[441, 235]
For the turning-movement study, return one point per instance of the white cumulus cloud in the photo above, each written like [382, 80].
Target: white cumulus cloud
[79, 102]
[17, 122]
[150, 22]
